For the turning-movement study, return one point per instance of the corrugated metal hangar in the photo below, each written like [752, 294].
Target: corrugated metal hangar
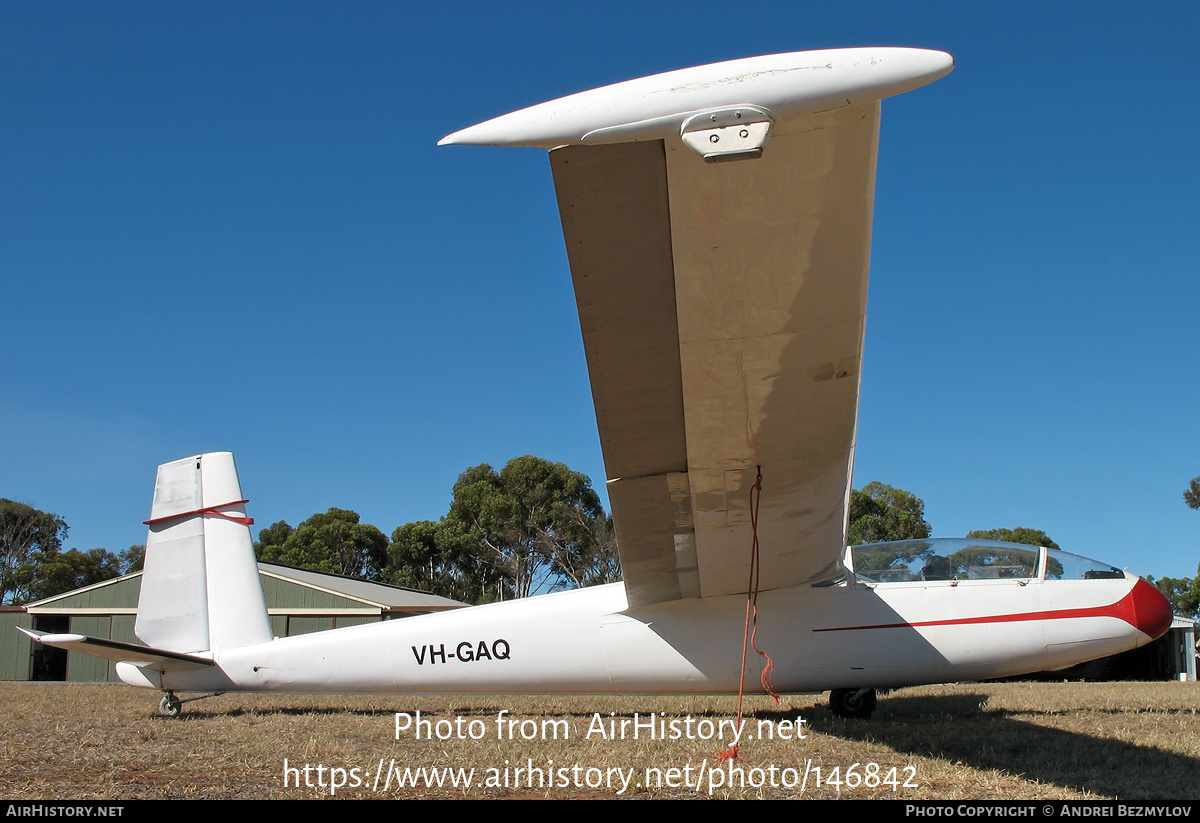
[298, 601]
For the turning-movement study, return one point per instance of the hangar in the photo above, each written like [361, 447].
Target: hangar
[298, 601]
[1171, 657]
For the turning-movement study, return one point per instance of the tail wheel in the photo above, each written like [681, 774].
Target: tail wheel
[856, 703]
[170, 705]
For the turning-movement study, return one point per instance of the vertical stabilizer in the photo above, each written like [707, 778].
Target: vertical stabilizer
[200, 586]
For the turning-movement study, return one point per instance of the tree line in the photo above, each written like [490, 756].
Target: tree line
[1184, 592]
[533, 526]
[879, 513]
[33, 564]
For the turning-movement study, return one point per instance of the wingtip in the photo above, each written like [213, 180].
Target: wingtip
[495, 132]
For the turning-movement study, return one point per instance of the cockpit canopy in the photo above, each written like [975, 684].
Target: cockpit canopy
[906, 561]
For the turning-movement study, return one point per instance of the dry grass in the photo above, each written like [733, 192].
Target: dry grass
[1000, 740]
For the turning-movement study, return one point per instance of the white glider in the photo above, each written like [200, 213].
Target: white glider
[718, 224]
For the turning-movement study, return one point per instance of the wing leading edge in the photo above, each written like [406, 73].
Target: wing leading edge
[722, 307]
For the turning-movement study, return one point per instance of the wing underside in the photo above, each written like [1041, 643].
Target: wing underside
[722, 308]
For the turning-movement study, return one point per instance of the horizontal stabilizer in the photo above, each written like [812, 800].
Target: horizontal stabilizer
[115, 650]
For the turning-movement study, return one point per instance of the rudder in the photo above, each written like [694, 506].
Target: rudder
[200, 585]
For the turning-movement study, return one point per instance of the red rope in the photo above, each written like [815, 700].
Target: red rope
[751, 628]
[245, 521]
[752, 597]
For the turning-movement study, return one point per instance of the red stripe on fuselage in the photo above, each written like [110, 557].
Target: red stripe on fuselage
[1146, 602]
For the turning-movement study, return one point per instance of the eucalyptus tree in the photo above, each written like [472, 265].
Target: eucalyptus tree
[334, 542]
[537, 523]
[23, 531]
[880, 513]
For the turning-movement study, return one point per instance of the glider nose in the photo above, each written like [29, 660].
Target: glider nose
[1151, 610]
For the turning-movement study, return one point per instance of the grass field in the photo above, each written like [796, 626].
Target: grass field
[969, 741]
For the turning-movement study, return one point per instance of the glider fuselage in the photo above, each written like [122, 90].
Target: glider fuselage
[846, 635]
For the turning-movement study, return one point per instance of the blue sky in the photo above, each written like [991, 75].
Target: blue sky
[227, 226]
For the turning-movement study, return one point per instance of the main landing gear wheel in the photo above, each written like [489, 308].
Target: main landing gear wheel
[856, 703]
[170, 705]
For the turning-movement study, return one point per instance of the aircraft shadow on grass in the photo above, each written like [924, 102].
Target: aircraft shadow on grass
[960, 729]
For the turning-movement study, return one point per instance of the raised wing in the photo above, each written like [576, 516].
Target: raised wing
[722, 303]
[722, 310]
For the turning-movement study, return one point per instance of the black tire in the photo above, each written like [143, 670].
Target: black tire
[853, 703]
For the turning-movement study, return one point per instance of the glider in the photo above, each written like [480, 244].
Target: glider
[717, 222]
